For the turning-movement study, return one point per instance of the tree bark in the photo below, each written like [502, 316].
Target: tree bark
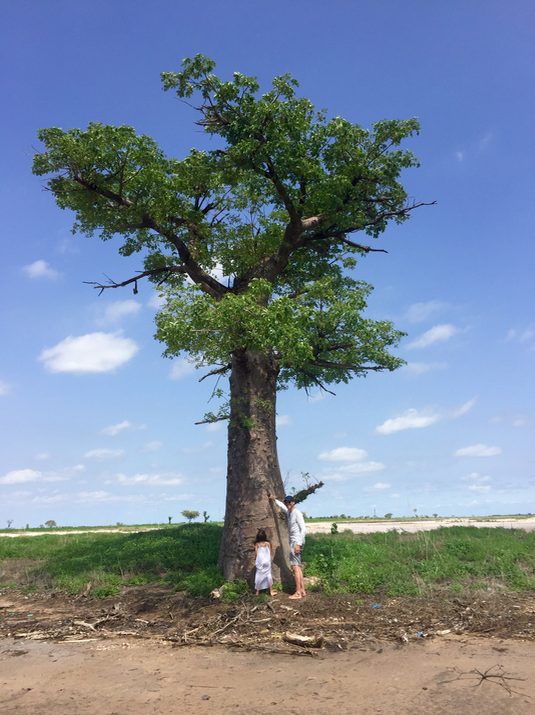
[253, 470]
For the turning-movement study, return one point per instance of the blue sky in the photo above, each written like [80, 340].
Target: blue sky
[98, 428]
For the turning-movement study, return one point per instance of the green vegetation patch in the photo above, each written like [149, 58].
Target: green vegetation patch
[411, 564]
[185, 557]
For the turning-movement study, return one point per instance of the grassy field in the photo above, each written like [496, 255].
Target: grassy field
[185, 557]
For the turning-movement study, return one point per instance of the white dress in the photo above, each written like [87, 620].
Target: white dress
[263, 578]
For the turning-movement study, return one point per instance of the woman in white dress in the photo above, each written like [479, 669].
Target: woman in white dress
[263, 578]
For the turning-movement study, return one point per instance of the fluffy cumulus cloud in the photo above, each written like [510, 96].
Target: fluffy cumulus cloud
[40, 269]
[92, 353]
[343, 454]
[478, 450]
[104, 453]
[421, 311]
[416, 419]
[114, 312]
[114, 430]
[352, 463]
[165, 479]
[439, 333]
[22, 476]
[181, 368]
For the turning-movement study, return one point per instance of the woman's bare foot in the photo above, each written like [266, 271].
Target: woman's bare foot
[295, 596]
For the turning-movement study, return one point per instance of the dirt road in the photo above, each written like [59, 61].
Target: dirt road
[435, 677]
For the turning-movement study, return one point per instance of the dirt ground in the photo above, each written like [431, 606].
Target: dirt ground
[151, 650]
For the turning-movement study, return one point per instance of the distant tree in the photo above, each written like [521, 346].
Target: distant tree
[190, 515]
[50, 523]
[169, 517]
[389, 515]
[9, 522]
[435, 515]
[206, 516]
[251, 243]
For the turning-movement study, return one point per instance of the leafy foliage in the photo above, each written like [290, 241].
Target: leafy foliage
[270, 209]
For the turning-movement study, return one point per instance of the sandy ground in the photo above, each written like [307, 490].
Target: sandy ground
[363, 527]
[143, 678]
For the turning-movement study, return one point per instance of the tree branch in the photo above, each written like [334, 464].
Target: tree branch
[215, 419]
[169, 270]
[219, 371]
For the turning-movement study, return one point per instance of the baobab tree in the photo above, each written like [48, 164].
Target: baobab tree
[252, 245]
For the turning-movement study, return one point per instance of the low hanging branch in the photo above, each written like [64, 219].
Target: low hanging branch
[304, 493]
[167, 270]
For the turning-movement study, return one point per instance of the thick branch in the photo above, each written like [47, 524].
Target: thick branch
[207, 283]
[304, 493]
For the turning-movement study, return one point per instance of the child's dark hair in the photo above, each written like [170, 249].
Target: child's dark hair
[261, 536]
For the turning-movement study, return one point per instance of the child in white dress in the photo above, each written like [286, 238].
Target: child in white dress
[263, 578]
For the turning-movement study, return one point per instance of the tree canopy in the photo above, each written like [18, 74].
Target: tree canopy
[252, 240]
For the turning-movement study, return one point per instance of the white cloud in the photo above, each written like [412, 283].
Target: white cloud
[475, 477]
[4, 387]
[439, 333]
[478, 450]
[50, 500]
[95, 352]
[521, 336]
[520, 422]
[283, 420]
[480, 488]
[414, 419]
[361, 468]
[411, 419]
[40, 269]
[22, 475]
[152, 446]
[179, 497]
[42, 456]
[421, 311]
[113, 430]
[181, 367]
[418, 368]
[354, 467]
[343, 454]
[156, 301]
[114, 312]
[379, 487]
[215, 426]
[484, 141]
[104, 453]
[463, 409]
[165, 479]
[340, 435]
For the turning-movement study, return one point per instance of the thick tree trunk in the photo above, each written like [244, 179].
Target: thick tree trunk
[253, 470]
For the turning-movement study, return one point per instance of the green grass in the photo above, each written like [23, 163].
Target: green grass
[185, 557]
[413, 564]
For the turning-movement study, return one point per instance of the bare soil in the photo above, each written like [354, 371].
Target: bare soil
[151, 650]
